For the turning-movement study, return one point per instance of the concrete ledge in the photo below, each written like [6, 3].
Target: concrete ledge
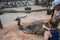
[14, 11]
[22, 10]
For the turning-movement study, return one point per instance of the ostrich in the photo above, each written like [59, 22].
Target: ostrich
[33, 28]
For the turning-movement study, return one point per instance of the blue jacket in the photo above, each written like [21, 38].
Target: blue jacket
[54, 34]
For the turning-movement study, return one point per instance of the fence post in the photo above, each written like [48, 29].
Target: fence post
[1, 27]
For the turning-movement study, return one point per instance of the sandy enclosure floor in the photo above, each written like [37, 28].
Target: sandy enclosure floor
[7, 18]
[12, 32]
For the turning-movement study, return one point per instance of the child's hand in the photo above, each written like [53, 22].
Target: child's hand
[45, 27]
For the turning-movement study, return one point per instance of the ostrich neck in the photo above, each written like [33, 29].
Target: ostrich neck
[19, 23]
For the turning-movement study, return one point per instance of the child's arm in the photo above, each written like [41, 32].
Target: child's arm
[45, 27]
[46, 35]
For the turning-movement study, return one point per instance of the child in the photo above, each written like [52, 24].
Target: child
[51, 32]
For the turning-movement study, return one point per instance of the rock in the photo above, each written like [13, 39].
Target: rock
[27, 8]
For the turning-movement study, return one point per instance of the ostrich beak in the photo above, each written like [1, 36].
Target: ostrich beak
[17, 19]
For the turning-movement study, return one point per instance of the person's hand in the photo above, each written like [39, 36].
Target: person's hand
[45, 27]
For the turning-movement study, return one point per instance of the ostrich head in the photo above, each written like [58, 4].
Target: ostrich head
[19, 21]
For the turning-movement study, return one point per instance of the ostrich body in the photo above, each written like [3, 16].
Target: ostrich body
[33, 28]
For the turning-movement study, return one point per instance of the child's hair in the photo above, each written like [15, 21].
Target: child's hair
[53, 23]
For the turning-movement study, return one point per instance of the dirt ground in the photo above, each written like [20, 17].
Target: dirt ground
[13, 33]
